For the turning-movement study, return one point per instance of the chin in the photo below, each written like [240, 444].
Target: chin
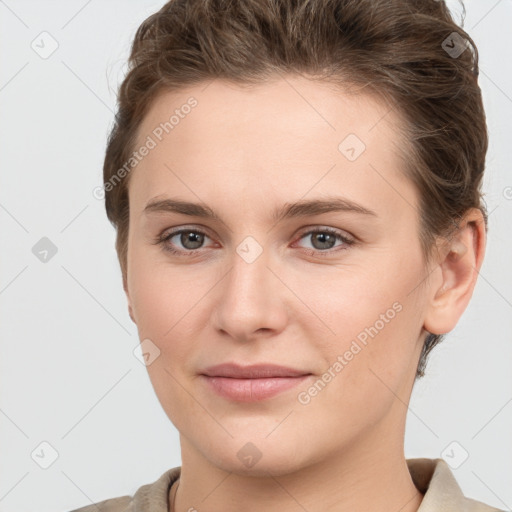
[271, 464]
[256, 456]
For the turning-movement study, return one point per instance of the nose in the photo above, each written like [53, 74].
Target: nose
[251, 300]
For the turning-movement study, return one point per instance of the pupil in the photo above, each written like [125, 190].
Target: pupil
[324, 239]
[194, 238]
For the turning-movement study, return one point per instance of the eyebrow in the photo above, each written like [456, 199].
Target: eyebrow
[302, 208]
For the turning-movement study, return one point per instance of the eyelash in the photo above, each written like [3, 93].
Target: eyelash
[162, 239]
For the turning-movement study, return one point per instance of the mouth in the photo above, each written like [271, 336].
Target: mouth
[252, 383]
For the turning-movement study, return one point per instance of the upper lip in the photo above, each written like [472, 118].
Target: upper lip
[256, 371]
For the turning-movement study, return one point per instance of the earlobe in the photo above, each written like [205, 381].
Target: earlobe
[130, 310]
[460, 259]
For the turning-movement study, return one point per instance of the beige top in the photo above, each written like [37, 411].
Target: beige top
[432, 477]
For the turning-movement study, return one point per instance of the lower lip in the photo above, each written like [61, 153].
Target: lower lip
[252, 390]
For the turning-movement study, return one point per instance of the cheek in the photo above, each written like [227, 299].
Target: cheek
[169, 307]
[162, 297]
[163, 304]
[361, 379]
[347, 302]
[371, 343]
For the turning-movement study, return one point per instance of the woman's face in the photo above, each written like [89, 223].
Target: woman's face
[346, 305]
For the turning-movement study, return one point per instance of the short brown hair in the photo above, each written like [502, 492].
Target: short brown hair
[409, 52]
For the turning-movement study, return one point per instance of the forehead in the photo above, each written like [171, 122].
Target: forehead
[257, 138]
[278, 103]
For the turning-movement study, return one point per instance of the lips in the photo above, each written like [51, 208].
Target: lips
[257, 371]
[251, 383]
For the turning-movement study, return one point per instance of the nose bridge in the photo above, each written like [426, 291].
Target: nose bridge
[250, 298]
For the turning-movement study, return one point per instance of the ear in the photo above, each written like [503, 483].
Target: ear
[460, 259]
[125, 288]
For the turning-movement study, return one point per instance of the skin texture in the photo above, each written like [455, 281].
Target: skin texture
[244, 152]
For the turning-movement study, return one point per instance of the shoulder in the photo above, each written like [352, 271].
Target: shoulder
[472, 505]
[441, 492]
[119, 504]
[152, 497]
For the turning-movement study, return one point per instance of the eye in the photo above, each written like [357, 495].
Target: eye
[190, 240]
[324, 239]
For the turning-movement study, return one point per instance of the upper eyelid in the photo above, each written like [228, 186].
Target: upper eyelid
[303, 230]
[176, 231]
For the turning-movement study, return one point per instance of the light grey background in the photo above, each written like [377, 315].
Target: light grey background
[69, 376]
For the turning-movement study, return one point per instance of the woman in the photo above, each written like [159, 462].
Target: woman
[296, 192]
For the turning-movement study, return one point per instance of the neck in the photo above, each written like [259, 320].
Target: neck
[372, 475]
